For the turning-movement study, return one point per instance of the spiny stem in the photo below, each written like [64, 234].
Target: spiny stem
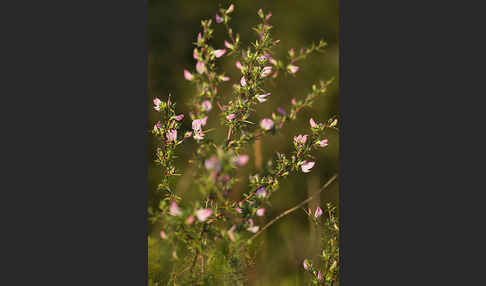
[294, 208]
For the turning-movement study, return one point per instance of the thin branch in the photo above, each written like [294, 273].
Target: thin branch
[332, 179]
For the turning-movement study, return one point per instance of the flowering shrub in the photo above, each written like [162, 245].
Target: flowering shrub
[211, 239]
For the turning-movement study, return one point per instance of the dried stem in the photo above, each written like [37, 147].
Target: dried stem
[332, 179]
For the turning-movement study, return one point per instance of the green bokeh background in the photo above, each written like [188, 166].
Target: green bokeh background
[173, 26]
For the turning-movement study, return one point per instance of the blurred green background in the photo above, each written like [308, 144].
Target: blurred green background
[173, 27]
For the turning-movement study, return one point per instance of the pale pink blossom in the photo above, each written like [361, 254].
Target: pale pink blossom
[262, 97]
[163, 235]
[200, 67]
[188, 134]
[219, 53]
[238, 65]
[251, 227]
[194, 53]
[174, 209]
[158, 125]
[188, 75]
[306, 264]
[198, 135]
[238, 210]
[230, 9]
[231, 233]
[318, 212]
[312, 123]
[294, 102]
[307, 166]
[219, 19]
[266, 71]
[157, 103]
[322, 143]
[231, 116]
[292, 69]
[243, 81]
[242, 160]
[300, 140]
[261, 193]
[319, 275]
[268, 16]
[228, 45]
[199, 37]
[206, 105]
[196, 124]
[172, 135]
[260, 212]
[203, 214]
[225, 78]
[179, 117]
[190, 220]
[212, 164]
[266, 123]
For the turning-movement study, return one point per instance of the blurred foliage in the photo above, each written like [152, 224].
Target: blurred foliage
[173, 27]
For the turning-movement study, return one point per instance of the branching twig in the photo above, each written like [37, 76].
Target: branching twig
[294, 208]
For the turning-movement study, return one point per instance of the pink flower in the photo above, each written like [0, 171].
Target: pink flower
[157, 103]
[307, 166]
[212, 164]
[306, 264]
[228, 45]
[262, 97]
[200, 67]
[251, 227]
[238, 65]
[294, 102]
[203, 214]
[206, 105]
[230, 117]
[219, 53]
[260, 212]
[199, 37]
[196, 124]
[238, 210]
[242, 160]
[198, 135]
[163, 235]
[322, 143]
[188, 134]
[188, 75]
[225, 78]
[266, 123]
[266, 71]
[281, 111]
[231, 233]
[219, 19]
[243, 81]
[172, 135]
[158, 125]
[268, 16]
[261, 193]
[312, 123]
[292, 69]
[190, 220]
[174, 209]
[300, 140]
[194, 53]
[318, 212]
[319, 275]
[230, 9]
